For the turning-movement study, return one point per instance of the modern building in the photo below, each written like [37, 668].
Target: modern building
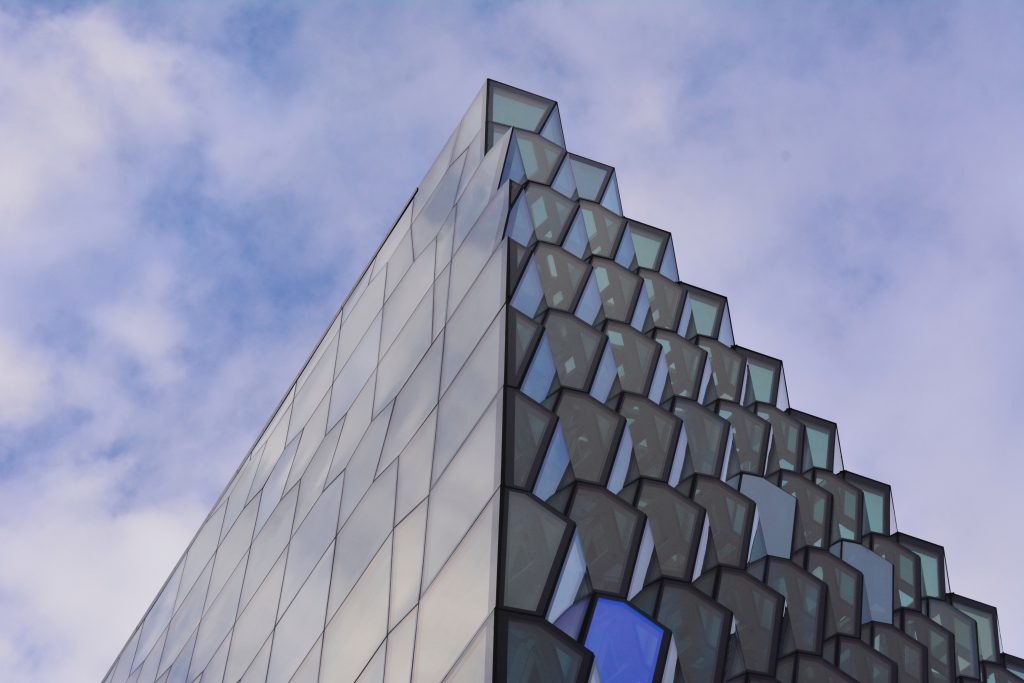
[524, 451]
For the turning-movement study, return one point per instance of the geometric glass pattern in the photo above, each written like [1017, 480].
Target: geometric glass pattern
[525, 451]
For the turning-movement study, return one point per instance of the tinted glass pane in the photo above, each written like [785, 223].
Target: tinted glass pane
[675, 526]
[609, 530]
[648, 244]
[590, 177]
[540, 158]
[591, 434]
[685, 362]
[666, 301]
[549, 212]
[575, 348]
[654, 433]
[537, 652]
[603, 228]
[706, 435]
[561, 275]
[700, 628]
[705, 313]
[534, 538]
[635, 356]
[726, 370]
[730, 516]
[618, 288]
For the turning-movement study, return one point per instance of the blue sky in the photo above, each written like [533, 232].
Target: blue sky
[187, 191]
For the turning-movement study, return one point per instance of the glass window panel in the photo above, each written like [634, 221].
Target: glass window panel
[234, 546]
[602, 227]
[938, 640]
[654, 432]
[513, 107]
[965, 634]
[255, 623]
[461, 405]
[648, 244]
[477, 192]
[401, 304]
[522, 336]
[845, 586]
[705, 311]
[257, 671]
[910, 656]
[731, 518]
[312, 436]
[361, 315]
[610, 532]
[360, 624]
[217, 621]
[619, 289]
[700, 628]
[398, 667]
[538, 652]
[592, 433]
[404, 355]
[877, 574]
[676, 524]
[458, 601]
[354, 375]
[309, 669]
[462, 491]
[200, 552]
[479, 247]
[814, 510]
[590, 177]
[413, 404]
[414, 468]
[529, 295]
[362, 535]
[665, 300]
[575, 348]
[907, 570]
[564, 181]
[626, 644]
[758, 613]
[786, 449]
[635, 357]
[749, 442]
[531, 428]
[301, 623]
[805, 597]
[469, 323]
[268, 545]
[847, 506]
[726, 370]
[406, 564]
[541, 158]
[988, 625]
[361, 469]
[186, 618]
[535, 539]
[706, 437]
[273, 488]
[685, 361]
[311, 392]
[776, 514]
[311, 484]
[311, 539]
[374, 671]
[562, 277]
[158, 617]
[437, 206]
[933, 563]
[762, 378]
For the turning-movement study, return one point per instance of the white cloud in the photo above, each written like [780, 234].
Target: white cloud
[26, 382]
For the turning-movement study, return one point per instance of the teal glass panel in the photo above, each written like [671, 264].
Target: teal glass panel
[666, 301]
[609, 531]
[618, 288]
[635, 356]
[550, 213]
[705, 314]
[648, 245]
[603, 229]
[590, 177]
[514, 107]
[575, 347]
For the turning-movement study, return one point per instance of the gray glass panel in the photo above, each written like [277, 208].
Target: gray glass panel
[362, 535]
[311, 539]
[676, 524]
[654, 433]
[706, 437]
[685, 361]
[360, 624]
[514, 107]
[591, 434]
[458, 601]
[301, 624]
[406, 564]
[255, 623]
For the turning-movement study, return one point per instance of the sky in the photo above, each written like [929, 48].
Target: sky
[188, 191]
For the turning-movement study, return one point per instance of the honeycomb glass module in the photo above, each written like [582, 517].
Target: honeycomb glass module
[524, 451]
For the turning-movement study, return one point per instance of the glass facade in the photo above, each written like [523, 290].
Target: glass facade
[524, 451]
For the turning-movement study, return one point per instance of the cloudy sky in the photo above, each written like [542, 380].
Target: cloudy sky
[188, 191]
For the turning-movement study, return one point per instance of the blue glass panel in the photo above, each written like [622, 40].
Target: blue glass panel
[626, 644]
